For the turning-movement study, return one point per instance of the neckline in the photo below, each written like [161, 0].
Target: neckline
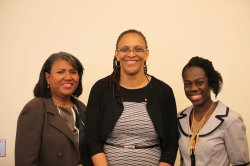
[149, 84]
[205, 126]
[142, 84]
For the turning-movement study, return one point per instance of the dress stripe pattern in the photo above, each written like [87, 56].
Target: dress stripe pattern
[134, 127]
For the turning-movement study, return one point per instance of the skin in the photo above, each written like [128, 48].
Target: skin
[63, 80]
[197, 90]
[132, 76]
[132, 70]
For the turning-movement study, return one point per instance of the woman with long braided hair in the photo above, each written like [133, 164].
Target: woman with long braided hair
[131, 115]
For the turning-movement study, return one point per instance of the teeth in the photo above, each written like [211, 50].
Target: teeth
[67, 85]
[131, 62]
[195, 97]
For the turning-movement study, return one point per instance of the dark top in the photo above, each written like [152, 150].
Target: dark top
[105, 107]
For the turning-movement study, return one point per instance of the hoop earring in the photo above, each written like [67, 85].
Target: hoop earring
[117, 63]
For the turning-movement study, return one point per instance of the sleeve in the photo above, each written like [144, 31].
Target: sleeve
[28, 136]
[236, 142]
[93, 120]
[170, 145]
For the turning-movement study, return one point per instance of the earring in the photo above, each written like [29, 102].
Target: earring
[48, 86]
[145, 67]
[117, 63]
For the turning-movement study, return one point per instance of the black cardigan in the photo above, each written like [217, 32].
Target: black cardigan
[105, 107]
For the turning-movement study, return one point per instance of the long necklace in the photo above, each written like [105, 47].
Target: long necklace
[195, 129]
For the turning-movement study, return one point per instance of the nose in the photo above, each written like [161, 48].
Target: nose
[193, 87]
[68, 76]
[131, 53]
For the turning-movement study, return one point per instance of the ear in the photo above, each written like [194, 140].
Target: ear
[147, 54]
[117, 55]
[46, 74]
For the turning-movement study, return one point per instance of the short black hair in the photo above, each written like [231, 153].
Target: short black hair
[215, 80]
[41, 89]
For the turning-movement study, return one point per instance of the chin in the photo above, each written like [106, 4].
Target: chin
[67, 94]
[197, 103]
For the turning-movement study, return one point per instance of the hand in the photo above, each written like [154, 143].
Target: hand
[99, 159]
[164, 164]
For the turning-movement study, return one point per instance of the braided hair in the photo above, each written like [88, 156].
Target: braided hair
[115, 75]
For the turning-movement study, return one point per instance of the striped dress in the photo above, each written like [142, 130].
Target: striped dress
[134, 127]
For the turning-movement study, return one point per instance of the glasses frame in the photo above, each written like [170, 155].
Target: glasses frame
[135, 50]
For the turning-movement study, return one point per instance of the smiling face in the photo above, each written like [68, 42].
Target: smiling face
[132, 54]
[63, 79]
[196, 86]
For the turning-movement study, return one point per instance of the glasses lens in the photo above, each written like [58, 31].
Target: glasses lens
[138, 50]
[124, 50]
[127, 50]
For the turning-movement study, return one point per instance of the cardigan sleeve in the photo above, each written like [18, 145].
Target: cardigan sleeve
[29, 134]
[93, 134]
[236, 141]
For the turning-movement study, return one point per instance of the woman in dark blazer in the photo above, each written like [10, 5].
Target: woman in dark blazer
[51, 127]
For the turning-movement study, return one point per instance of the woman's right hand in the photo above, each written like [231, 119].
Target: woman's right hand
[99, 159]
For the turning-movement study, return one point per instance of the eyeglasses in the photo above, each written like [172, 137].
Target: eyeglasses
[127, 50]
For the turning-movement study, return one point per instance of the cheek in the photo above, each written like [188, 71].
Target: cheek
[206, 90]
[76, 79]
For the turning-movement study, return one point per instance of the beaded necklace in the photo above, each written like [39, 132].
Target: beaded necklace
[195, 129]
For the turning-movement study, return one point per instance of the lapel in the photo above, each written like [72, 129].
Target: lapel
[215, 120]
[55, 120]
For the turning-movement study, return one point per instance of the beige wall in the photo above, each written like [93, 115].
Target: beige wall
[31, 30]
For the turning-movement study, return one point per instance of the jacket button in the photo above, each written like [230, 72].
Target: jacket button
[60, 155]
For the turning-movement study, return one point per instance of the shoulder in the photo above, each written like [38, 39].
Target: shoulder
[33, 103]
[183, 116]
[34, 108]
[102, 83]
[159, 84]
[162, 90]
[185, 111]
[230, 116]
[225, 110]
[79, 103]
[233, 117]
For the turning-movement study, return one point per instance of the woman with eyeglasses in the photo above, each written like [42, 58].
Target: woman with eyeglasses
[131, 115]
[51, 127]
[210, 132]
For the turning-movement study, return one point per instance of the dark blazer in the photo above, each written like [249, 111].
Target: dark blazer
[105, 107]
[43, 138]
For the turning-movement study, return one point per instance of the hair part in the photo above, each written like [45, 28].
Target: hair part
[215, 80]
[41, 88]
